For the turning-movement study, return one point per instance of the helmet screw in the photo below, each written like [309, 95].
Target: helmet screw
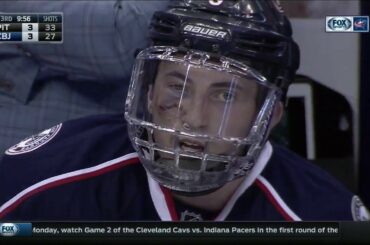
[187, 42]
[215, 47]
[186, 126]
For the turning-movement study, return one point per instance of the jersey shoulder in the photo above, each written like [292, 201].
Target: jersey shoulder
[77, 136]
[65, 149]
[309, 191]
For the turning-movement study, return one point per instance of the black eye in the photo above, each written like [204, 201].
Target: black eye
[177, 89]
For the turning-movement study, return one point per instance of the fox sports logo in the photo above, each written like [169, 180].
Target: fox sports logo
[339, 23]
[8, 229]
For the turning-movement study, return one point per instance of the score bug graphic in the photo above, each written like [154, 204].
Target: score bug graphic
[31, 27]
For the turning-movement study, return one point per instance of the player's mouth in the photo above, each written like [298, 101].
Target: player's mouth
[191, 146]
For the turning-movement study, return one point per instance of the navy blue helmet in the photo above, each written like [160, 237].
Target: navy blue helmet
[254, 32]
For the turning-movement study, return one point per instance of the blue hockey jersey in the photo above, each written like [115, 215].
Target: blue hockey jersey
[87, 169]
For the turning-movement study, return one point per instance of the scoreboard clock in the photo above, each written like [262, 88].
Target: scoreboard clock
[35, 27]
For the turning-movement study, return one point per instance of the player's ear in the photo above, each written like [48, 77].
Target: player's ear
[277, 114]
[150, 99]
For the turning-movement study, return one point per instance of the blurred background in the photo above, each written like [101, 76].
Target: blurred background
[330, 95]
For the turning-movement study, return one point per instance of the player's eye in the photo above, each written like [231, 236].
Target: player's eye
[225, 96]
[177, 89]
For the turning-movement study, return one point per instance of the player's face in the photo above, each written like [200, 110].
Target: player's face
[202, 101]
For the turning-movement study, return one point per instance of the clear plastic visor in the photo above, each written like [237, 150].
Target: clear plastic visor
[195, 95]
[194, 118]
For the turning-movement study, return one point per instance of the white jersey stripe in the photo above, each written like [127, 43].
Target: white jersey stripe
[60, 178]
[278, 199]
[159, 199]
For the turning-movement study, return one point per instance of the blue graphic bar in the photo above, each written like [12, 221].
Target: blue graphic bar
[10, 36]
[15, 229]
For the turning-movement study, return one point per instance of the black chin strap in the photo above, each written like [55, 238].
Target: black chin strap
[194, 194]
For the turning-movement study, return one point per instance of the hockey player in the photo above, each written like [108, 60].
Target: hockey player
[194, 141]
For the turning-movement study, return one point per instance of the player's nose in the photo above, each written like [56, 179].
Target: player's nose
[194, 114]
